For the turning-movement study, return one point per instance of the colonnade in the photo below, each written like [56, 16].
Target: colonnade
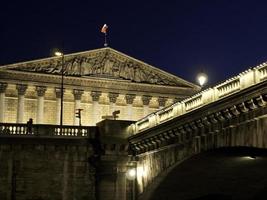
[77, 94]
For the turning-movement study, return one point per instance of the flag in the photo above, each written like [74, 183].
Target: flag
[104, 29]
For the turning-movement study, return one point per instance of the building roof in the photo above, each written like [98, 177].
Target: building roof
[104, 63]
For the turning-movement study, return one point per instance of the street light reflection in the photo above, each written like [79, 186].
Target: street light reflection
[141, 172]
[249, 157]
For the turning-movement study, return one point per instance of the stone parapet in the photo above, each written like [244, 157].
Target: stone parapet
[252, 78]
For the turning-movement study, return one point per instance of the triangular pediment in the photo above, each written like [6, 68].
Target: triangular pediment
[102, 63]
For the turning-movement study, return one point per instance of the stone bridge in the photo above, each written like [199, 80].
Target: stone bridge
[123, 159]
[231, 114]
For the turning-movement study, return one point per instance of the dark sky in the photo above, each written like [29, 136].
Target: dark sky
[219, 37]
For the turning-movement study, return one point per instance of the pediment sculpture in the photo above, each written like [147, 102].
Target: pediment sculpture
[104, 64]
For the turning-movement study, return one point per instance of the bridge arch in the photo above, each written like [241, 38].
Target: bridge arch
[237, 120]
[223, 173]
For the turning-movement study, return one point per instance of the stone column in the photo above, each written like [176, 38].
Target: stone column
[40, 104]
[77, 105]
[162, 102]
[95, 111]
[20, 110]
[146, 100]
[3, 87]
[129, 100]
[58, 104]
[112, 100]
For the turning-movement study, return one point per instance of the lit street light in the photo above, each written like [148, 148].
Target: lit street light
[202, 79]
[60, 54]
[131, 174]
[57, 53]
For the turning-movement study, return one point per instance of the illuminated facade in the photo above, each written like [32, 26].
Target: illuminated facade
[98, 81]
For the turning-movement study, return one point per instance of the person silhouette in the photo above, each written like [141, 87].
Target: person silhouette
[29, 125]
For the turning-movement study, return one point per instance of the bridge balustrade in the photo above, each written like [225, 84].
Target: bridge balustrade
[233, 85]
[263, 71]
[193, 102]
[45, 130]
[228, 87]
[166, 114]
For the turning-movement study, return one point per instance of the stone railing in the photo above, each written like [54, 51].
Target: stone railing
[233, 85]
[193, 102]
[165, 114]
[45, 130]
[228, 87]
[143, 124]
[263, 71]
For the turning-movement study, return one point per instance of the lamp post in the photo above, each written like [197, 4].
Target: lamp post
[202, 79]
[60, 54]
[131, 175]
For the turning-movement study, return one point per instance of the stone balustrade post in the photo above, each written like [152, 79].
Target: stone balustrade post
[20, 110]
[77, 105]
[40, 103]
[3, 87]
[129, 100]
[95, 117]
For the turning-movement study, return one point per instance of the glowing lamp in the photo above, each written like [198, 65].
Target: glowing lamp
[202, 79]
[58, 53]
[131, 174]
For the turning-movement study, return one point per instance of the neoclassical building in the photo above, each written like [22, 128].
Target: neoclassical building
[98, 81]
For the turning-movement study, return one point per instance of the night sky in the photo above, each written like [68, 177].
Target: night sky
[219, 37]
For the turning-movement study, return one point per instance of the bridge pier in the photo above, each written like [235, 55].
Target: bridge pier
[112, 183]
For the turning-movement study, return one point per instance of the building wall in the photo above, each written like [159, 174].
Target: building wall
[49, 107]
[10, 109]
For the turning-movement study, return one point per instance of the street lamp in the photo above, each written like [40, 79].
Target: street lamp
[131, 174]
[60, 54]
[202, 79]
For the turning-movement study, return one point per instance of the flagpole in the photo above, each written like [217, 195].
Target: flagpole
[105, 44]
[104, 30]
